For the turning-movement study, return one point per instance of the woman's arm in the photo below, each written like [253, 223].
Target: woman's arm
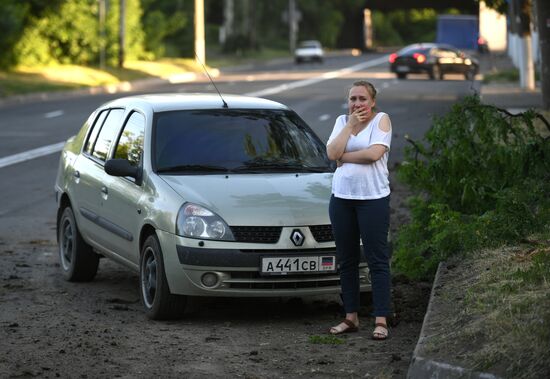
[365, 156]
[373, 152]
[336, 148]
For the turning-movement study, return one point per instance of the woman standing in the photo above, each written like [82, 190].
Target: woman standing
[360, 204]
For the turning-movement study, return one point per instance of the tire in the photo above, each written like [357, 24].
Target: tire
[436, 73]
[78, 260]
[158, 302]
[401, 76]
[470, 75]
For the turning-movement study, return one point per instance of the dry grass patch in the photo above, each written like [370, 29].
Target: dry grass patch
[497, 306]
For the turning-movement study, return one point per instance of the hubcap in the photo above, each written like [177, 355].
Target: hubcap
[67, 243]
[149, 277]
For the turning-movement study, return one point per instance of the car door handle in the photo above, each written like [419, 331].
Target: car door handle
[76, 174]
[104, 190]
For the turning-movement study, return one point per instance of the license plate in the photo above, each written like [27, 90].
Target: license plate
[402, 69]
[298, 265]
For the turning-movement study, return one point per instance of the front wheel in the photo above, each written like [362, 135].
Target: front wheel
[470, 75]
[78, 261]
[156, 298]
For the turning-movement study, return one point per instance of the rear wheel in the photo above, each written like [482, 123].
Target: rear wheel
[78, 261]
[436, 73]
[156, 298]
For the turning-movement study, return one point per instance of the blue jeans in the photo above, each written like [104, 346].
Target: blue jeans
[368, 221]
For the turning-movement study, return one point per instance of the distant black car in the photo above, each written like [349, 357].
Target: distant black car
[434, 59]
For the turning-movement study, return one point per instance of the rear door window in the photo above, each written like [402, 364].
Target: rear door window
[107, 135]
[130, 143]
[95, 131]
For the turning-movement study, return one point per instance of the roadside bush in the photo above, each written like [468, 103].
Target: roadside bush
[482, 177]
[70, 34]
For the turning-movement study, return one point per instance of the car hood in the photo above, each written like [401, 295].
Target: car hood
[267, 200]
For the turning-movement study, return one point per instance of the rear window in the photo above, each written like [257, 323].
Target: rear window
[410, 50]
[236, 141]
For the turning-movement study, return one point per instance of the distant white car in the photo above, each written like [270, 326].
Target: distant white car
[309, 51]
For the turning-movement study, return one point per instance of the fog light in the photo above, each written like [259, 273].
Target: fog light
[209, 279]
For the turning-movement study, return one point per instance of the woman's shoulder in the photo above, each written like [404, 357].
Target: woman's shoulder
[342, 118]
[381, 116]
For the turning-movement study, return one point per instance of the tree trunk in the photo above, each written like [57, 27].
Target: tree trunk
[228, 20]
[526, 67]
[543, 22]
[121, 33]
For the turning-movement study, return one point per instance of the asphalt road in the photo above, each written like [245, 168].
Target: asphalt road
[317, 92]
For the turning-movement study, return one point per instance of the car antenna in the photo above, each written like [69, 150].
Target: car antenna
[211, 81]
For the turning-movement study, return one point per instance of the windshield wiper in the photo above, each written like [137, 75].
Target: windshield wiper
[279, 167]
[193, 167]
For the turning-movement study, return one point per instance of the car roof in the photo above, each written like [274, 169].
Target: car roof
[188, 101]
[425, 46]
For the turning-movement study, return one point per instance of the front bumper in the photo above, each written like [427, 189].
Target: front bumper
[235, 268]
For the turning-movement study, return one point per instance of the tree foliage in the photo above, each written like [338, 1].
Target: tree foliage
[68, 31]
[482, 177]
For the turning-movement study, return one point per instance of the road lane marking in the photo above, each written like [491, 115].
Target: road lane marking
[31, 154]
[54, 114]
[318, 79]
[324, 117]
[50, 149]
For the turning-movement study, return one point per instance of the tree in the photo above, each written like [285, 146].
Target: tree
[12, 16]
[542, 10]
[543, 20]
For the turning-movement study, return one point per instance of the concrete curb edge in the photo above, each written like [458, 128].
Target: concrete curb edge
[424, 367]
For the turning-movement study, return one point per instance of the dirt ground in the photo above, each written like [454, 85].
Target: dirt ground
[52, 328]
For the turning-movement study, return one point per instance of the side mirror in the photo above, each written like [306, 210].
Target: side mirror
[121, 167]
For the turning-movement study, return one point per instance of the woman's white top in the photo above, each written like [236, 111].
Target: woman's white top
[362, 181]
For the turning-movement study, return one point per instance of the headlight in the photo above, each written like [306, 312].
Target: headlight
[195, 221]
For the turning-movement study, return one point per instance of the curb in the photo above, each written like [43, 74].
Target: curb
[106, 89]
[423, 367]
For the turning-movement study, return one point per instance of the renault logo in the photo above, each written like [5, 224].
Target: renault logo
[297, 237]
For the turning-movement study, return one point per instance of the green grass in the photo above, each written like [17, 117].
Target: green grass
[326, 340]
[15, 83]
[24, 80]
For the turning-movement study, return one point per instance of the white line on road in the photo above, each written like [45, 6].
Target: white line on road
[54, 114]
[324, 117]
[323, 77]
[50, 149]
[31, 154]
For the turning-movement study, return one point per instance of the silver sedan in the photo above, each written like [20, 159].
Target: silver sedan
[202, 196]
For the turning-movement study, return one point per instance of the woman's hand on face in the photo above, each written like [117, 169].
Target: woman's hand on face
[360, 115]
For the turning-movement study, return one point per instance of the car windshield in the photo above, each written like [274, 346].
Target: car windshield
[310, 44]
[229, 140]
